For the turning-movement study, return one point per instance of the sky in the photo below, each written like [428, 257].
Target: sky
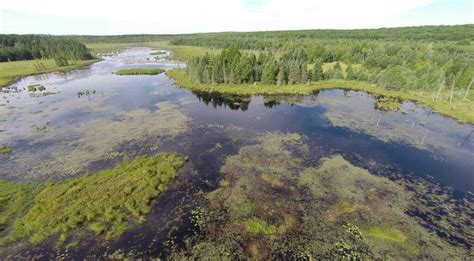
[96, 17]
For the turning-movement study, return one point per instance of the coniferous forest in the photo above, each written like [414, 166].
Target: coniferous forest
[30, 47]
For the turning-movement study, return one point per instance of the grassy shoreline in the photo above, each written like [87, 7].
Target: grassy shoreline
[13, 71]
[459, 109]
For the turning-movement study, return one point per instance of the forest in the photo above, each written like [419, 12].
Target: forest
[30, 47]
[389, 64]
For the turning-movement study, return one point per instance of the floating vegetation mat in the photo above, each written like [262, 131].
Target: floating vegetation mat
[271, 206]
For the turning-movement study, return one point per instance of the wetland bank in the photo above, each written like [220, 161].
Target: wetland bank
[333, 174]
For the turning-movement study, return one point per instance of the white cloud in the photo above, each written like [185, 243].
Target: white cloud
[182, 16]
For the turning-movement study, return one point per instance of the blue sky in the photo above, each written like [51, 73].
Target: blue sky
[183, 16]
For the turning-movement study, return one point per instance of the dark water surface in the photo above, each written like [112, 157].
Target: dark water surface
[65, 134]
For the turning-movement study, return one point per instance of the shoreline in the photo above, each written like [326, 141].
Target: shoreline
[28, 66]
[460, 110]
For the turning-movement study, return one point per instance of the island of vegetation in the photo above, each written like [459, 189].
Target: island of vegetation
[140, 71]
[107, 202]
[23, 55]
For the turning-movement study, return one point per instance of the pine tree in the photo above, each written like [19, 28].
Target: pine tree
[294, 75]
[270, 71]
[310, 76]
[318, 74]
[281, 76]
[304, 73]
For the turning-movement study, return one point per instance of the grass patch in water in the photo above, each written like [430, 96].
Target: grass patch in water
[140, 71]
[5, 150]
[107, 202]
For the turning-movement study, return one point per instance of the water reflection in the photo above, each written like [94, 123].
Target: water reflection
[233, 102]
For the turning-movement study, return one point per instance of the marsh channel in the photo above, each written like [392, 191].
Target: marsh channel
[91, 119]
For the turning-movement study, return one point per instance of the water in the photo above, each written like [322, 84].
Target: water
[63, 135]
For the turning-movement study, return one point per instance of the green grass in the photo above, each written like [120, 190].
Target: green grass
[5, 150]
[107, 47]
[184, 53]
[14, 200]
[256, 226]
[12, 71]
[106, 203]
[140, 71]
[391, 234]
[458, 109]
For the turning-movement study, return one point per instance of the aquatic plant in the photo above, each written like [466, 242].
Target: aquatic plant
[140, 71]
[256, 225]
[272, 206]
[87, 142]
[107, 202]
[392, 234]
[49, 93]
[5, 150]
[386, 103]
[87, 92]
[158, 53]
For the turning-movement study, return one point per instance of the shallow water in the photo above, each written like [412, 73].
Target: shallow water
[66, 134]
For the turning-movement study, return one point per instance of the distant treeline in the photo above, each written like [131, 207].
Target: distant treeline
[29, 47]
[255, 40]
[261, 40]
[129, 38]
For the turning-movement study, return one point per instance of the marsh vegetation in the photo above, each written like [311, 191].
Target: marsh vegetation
[140, 71]
[106, 203]
[269, 206]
